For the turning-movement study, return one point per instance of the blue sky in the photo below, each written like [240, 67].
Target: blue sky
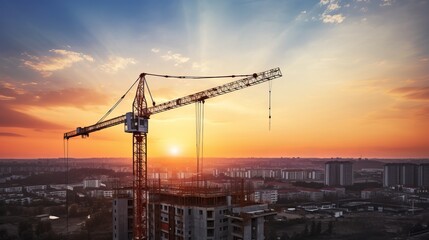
[354, 70]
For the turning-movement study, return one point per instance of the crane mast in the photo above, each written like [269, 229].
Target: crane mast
[136, 122]
[140, 195]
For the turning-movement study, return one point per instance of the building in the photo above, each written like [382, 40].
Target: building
[266, 196]
[338, 173]
[193, 216]
[403, 174]
[423, 175]
[122, 218]
[92, 183]
[369, 193]
[248, 222]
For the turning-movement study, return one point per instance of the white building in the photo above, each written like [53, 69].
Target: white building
[92, 183]
[35, 188]
[266, 196]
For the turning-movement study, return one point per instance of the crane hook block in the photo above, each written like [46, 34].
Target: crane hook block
[135, 124]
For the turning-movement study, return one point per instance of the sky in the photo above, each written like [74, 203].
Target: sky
[355, 76]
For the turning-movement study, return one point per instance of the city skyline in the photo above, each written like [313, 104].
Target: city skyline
[355, 76]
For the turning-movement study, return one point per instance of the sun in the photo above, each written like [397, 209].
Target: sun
[174, 150]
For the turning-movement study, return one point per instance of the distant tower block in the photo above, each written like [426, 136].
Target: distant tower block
[338, 173]
[405, 174]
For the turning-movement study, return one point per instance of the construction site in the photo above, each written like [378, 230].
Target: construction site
[186, 210]
[192, 212]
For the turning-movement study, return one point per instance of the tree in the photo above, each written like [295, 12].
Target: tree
[318, 227]
[313, 228]
[25, 231]
[305, 232]
[43, 227]
[330, 228]
[73, 210]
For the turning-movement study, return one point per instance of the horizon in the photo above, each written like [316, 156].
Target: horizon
[355, 78]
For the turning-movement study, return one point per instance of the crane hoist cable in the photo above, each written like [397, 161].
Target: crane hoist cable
[66, 158]
[270, 86]
[199, 130]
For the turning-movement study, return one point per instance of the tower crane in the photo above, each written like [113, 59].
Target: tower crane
[136, 122]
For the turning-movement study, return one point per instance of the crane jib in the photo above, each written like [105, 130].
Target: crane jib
[255, 79]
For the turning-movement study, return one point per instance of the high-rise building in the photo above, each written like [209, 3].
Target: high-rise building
[409, 175]
[405, 174]
[391, 174]
[122, 218]
[423, 175]
[338, 173]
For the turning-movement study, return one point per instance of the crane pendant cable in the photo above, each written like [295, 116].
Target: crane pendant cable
[164, 76]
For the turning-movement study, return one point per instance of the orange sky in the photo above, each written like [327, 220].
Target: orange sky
[355, 78]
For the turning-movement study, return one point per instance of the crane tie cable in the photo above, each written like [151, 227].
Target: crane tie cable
[119, 101]
[165, 76]
[198, 77]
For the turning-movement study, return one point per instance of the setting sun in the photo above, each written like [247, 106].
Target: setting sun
[174, 150]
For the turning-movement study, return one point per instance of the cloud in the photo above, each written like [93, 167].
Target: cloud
[333, 6]
[200, 66]
[77, 97]
[155, 50]
[7, 134]
[6, 98]
[177, 58]
[337, 18]
[116, 63]
[19, 119]
[386, 3]
[330, 7]
[14, 102]
[412, 93]
[57, 59]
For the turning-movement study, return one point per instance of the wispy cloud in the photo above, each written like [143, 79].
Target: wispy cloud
[19, 119]
[16, 101]
[77, 97]
[57, 59]
[8, 134]
[116, 63]
[412, 93]
[336, 18]
[200, 66]
[386, 3]
[177, 58]
[328, 16]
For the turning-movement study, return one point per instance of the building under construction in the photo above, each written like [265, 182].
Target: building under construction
[187, 213]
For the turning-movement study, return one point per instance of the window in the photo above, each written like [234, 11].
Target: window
[210, 223]
[201, 212]
[209, 214]
[189, 211]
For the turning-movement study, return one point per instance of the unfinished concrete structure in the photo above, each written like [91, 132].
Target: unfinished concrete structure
[186, 213]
